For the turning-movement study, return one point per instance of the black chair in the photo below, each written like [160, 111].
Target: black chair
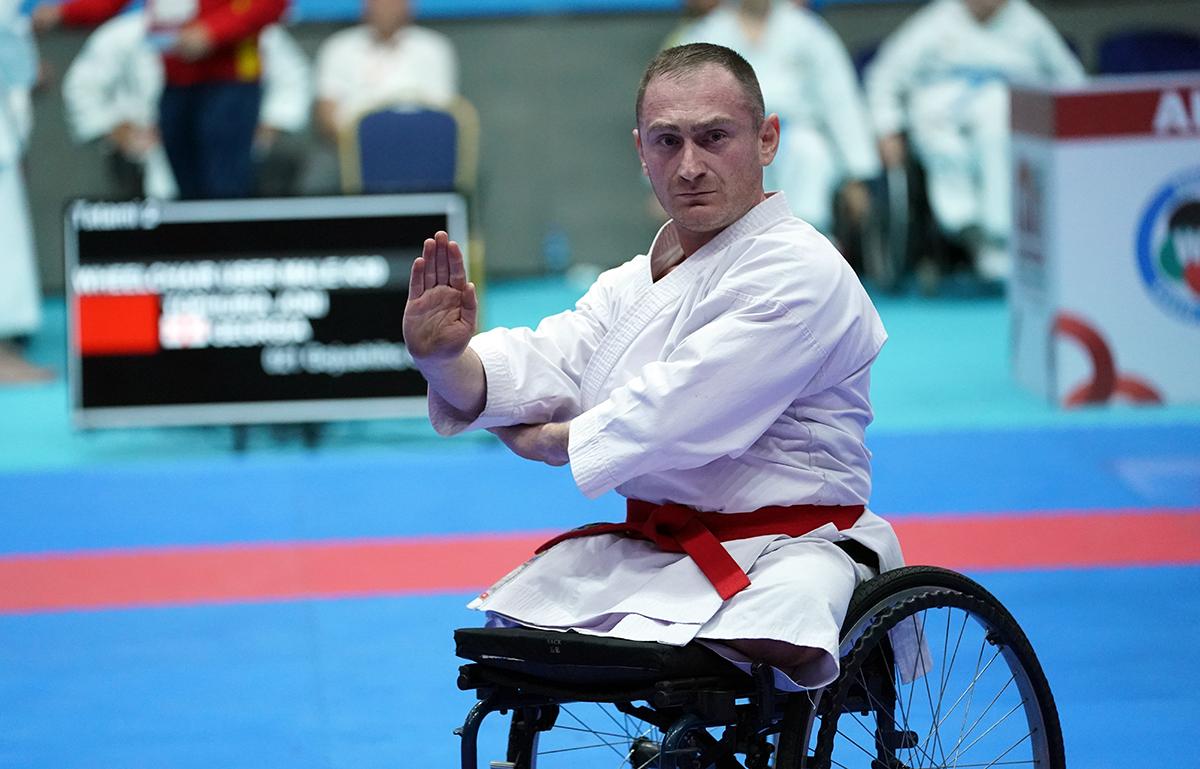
[975, 696]
[1148, 50]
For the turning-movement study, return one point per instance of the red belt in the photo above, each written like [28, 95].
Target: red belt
[679, 529]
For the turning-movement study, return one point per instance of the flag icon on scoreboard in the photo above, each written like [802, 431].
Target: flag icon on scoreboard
[125, 324]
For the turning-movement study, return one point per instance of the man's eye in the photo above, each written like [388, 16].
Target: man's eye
[717, 136]
[669, 141]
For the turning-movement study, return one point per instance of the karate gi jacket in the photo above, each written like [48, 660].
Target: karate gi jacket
[737, 380]
[20, 296]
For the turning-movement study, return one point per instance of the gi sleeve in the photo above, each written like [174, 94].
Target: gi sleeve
[724, 385]
[890, 76]
[333, 74]
[287, 81]
[440, 78]
[533, 375]
[842, 106]
[1058, 63]
[90, 85]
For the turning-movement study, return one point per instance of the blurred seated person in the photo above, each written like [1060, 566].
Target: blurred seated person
[386, 60]
[941, 82]
[20, 297]
[209, 108]
[111, 92]
[694, 12]
[826, 145]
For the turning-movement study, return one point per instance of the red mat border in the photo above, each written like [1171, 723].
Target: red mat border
[282, 571]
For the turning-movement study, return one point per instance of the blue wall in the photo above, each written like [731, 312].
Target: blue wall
[350, 10]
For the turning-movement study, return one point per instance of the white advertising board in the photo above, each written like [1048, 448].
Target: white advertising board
[1105, 294]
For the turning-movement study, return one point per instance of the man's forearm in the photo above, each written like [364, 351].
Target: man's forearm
[547, 442]
[460, 381]
[325, 112]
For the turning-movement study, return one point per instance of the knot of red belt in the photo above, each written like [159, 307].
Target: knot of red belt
[680, 529]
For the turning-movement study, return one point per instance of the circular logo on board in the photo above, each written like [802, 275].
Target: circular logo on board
[1168, 246]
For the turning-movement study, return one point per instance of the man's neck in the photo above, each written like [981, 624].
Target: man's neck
[385, 36]
[691, 242]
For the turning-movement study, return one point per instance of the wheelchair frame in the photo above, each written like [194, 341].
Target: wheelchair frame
[801, 730]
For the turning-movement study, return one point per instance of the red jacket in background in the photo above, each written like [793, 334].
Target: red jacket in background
[232, 26]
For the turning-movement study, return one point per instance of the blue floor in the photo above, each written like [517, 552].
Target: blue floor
[370, 682]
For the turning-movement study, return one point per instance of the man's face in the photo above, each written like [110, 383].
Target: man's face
[386, 16]
[701, 150]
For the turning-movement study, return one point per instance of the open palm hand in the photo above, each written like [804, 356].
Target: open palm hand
[440, 317]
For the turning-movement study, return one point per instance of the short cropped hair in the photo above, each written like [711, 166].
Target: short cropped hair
[683, 59]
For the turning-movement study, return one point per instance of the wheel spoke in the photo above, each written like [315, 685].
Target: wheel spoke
[587, 728]
[613, 718]
[597, 732]
[577, 747]
[991, 728]
[947, 669]
[880, 707]
[970, 689]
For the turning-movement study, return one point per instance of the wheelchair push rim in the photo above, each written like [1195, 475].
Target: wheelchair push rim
[978, 699]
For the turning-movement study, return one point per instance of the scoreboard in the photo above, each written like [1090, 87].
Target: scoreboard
[245, 311]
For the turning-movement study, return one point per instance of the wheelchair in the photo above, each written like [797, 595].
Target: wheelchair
[973, 694]
[900, 239]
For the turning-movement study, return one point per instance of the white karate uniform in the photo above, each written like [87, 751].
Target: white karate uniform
[358, 72]
[20, 299]
[118, 77]
[943, 77]
[807, 78]
[736, 381]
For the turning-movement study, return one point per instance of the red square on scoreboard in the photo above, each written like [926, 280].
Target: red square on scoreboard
[118, 325]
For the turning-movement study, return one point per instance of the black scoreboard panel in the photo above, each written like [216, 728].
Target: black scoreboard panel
[234, 312]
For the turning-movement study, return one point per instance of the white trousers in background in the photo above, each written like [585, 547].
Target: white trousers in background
[20, 299]
[960, 133]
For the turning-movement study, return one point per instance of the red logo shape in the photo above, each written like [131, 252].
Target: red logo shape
[1105, 382]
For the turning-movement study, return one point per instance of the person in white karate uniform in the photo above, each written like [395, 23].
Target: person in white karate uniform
[725, 371]
[827, 146]
[20, 297]
[112, 88]
[942, 79]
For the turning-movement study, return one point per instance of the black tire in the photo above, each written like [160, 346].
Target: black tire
[1018, 724]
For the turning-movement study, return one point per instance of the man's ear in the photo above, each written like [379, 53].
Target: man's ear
[768, 139]
[637, 142]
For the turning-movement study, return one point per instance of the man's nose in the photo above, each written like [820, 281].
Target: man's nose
[691, 163]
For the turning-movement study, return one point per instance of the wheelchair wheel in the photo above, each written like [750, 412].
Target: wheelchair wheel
[976, 698]
[582, 734]
[886, 239]
[591, 735]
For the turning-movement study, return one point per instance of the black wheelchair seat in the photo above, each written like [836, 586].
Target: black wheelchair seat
[934, 671]
[577, 659]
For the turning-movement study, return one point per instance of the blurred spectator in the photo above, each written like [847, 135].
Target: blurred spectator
[942, 79]
[20, 301]
[386, 60]
[693, 12]
[112, 88]
[807, 78]
[209, 108]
